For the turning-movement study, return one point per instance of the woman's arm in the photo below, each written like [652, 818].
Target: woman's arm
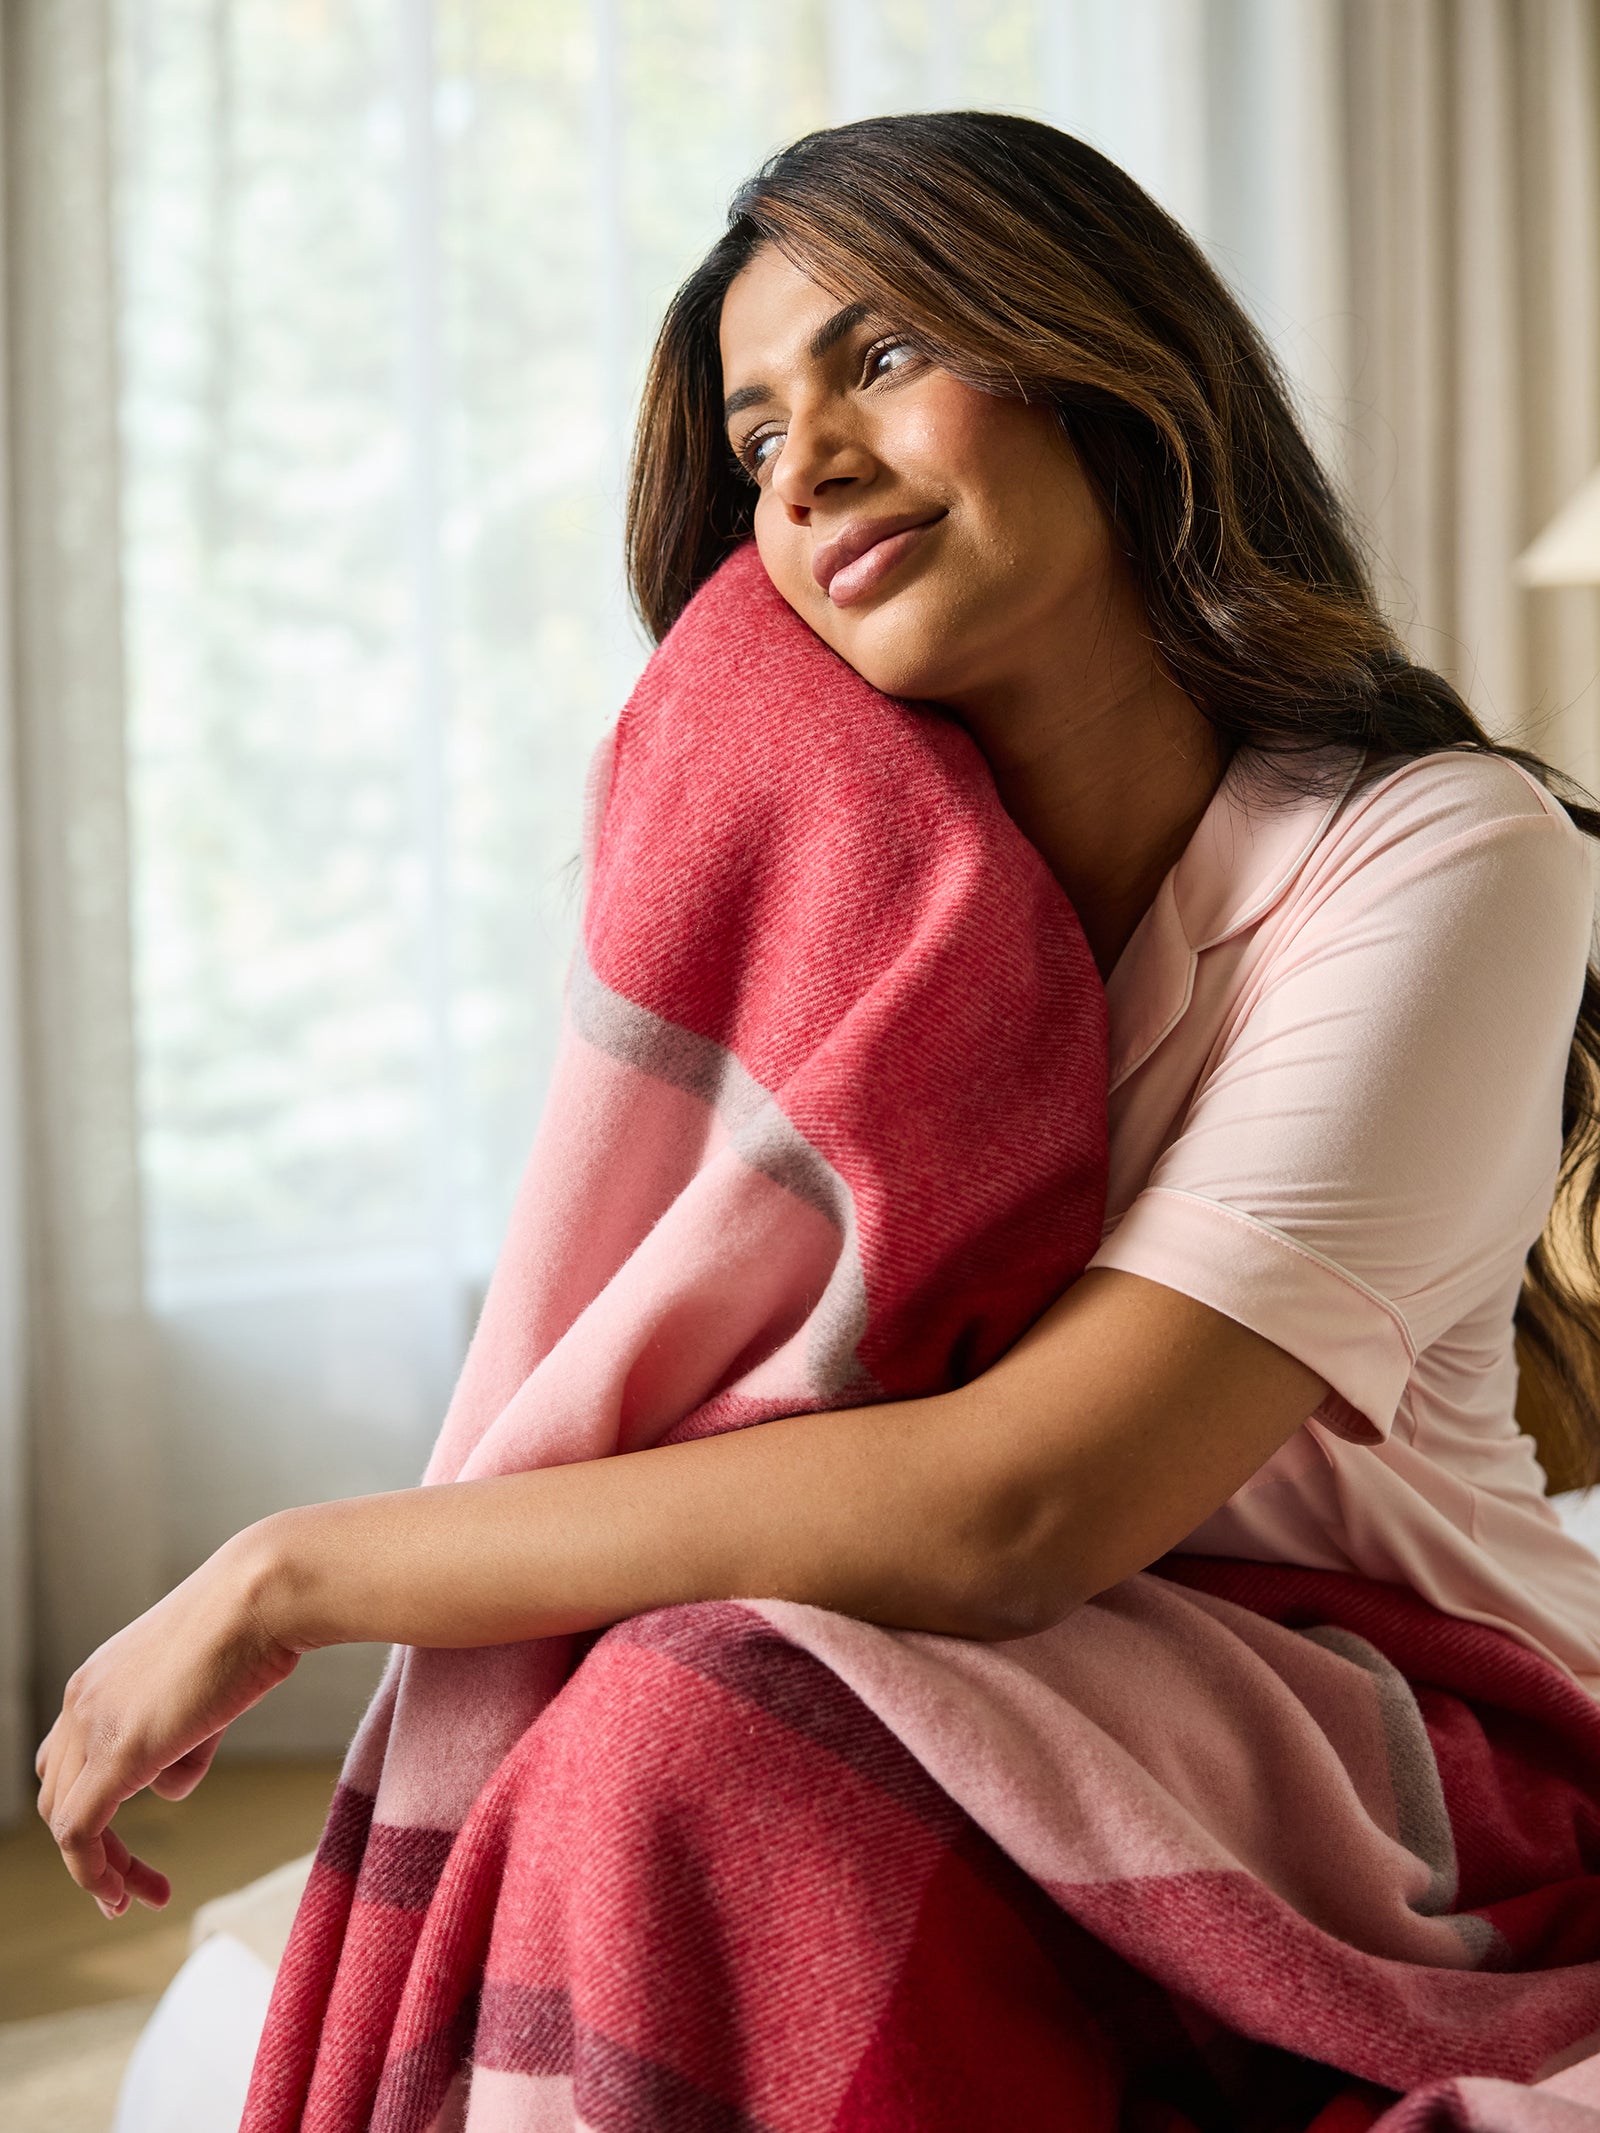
[1122, 1419]
[1125, 1417]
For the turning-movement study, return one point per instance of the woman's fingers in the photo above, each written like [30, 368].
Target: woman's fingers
[79, 1826]
[148, 1883]
[60, 1773]
[97, 1860]
[147, 1708]
[77, 1800]
[44, 1769]
[118, 1860]
[152, 1889]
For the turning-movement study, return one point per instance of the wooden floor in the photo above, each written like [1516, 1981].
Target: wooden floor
[60, 2073]
[57, 1952]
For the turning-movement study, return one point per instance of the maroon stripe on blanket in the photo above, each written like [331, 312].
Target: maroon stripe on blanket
[524, 2029]
[401, 1868]
[735, 1648]
[344, 1836]
[416, 2082]
[618, 2092]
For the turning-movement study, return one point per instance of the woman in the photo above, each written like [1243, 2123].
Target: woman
[1006, 444]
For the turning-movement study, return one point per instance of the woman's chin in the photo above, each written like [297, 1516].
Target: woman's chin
[890, 652]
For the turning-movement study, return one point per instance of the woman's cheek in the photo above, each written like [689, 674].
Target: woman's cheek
[787, 564]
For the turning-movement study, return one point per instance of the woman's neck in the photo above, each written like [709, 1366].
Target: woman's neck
[1105, 766]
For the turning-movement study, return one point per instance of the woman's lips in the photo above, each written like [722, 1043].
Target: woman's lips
[854, 580]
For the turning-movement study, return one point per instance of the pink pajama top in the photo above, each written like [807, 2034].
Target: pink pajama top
[1338, 1043]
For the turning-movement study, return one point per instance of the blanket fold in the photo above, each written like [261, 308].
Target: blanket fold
[1233, 1847]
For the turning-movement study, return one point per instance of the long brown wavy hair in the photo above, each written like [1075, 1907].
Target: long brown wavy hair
[1027, 264]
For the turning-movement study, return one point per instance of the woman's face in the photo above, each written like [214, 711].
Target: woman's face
[938, 537]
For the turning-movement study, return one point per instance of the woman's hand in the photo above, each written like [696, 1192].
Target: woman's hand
[148, 1708]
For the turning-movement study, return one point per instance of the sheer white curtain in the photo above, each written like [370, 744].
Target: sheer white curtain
[387, 274]
[14, 1553]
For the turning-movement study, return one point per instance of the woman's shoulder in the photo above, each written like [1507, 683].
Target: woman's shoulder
[1328, 835]
[1413, 816]
[1450, 793]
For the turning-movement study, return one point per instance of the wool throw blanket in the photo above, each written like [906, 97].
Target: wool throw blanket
[827, 1127]
[1237, 1849]
[1235, 1846]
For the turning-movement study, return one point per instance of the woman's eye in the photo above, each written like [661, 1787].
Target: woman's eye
[753, 454]
[882, 358]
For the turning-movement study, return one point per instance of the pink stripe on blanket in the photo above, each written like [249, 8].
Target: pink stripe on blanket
[1479, 2106]
[1198, 1744]
[505, 2101]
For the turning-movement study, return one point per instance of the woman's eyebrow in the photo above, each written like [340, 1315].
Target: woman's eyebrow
[828, 335]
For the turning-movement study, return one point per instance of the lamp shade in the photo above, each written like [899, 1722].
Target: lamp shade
[1568, 550]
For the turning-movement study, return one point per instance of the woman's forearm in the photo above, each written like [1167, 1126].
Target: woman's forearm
[1125, 1417]
[877, 1512]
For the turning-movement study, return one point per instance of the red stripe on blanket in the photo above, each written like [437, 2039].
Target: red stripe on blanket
[304, 1988]
[1229, 1942]
[776, 1867]
[724, 1643]
[983, 2033]
[848, 847]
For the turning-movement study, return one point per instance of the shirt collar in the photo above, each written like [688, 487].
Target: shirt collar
[1246, 850]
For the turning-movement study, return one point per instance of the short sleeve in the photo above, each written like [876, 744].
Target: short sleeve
[1374, 1145]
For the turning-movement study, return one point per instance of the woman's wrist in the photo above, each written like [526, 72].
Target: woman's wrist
[268, 1576]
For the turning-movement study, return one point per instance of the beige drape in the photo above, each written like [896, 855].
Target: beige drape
[69, 1186]
[14, 1610]
[1472, 150]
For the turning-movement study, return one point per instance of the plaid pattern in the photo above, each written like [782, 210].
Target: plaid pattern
[827, 1126]
[711, 1891]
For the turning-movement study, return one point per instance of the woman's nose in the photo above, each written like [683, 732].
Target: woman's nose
[817, 454]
